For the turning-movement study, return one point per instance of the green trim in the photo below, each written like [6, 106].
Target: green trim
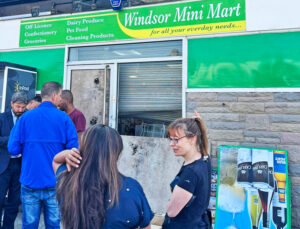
[218, 181]
[48, 62]
[288, 193]
[268, 60]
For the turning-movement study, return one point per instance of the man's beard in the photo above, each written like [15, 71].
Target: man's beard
[18, 114]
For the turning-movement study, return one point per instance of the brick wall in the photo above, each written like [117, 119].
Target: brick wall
[267, 120]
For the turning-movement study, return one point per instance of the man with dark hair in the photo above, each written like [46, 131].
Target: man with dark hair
[39, 135]
[10, 166]
[75, 114]
[35, 102]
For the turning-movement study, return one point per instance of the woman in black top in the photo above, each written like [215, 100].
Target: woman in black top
[187, 208]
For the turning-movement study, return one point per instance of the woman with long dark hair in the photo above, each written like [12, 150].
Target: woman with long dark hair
[95, 194]
[187, 207]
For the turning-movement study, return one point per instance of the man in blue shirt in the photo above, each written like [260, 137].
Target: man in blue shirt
[39, 135]
[10, 166]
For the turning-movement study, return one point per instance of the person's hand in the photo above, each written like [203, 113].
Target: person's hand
[196, 114]
[73, 158]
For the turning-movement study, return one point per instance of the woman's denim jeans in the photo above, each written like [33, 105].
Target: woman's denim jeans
[32, 201]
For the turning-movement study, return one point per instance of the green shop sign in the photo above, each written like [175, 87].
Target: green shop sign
[188, 18]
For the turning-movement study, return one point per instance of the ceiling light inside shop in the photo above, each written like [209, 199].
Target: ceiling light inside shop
[174, 65]
[132, 77]
[135, 52]
[119, 53]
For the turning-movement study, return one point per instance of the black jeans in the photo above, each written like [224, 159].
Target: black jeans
[9, 183]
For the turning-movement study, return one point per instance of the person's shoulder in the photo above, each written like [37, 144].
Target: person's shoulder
[78, 112]
[129, 182]
[32, 112]
[203, 161]
[26, 114]
[61, 113]
[5, 114]
[191, 170]
[198, 165]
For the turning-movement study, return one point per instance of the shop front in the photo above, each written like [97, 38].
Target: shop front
[138, 69]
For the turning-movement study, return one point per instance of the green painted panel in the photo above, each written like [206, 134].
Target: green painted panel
[48, 62]
[250, 61]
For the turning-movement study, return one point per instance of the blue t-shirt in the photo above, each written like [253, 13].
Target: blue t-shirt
[39, 135]
[133, 210]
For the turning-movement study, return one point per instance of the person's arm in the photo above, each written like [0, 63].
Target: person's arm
[3, 141]
[14, 142]
[148, 227]
[71, 157]
[80, 124]
[79, 136]
[179, 199]
[72, 138]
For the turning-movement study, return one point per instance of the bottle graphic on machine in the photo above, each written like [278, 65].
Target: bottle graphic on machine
[271, 169]
[255, 207]
[280, 174]
[244, 167]
[260, 168]
[261, 171]
[279, 212]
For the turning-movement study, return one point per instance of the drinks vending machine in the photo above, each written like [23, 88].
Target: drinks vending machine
[253, 189]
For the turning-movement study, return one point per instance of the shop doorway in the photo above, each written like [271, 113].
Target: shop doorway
[90, 86]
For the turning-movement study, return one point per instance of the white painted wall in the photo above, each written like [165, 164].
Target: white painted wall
[9, 34]
[260, 15]
[272, 14]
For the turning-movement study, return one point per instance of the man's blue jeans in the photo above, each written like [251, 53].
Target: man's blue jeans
[32, 201]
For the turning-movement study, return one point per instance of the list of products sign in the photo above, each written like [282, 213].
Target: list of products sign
[78, 29]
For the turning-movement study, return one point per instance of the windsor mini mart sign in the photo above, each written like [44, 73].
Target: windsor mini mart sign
[188, 18]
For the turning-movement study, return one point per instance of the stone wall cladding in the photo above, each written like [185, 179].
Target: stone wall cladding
[267, 120]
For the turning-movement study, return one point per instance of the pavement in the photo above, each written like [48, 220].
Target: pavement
[18, 222]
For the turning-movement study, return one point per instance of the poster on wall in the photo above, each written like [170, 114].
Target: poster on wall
[213, 196]
[253, 189]
[17, 80]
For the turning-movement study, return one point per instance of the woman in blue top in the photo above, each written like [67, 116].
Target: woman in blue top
[187, 207]
[96, 195]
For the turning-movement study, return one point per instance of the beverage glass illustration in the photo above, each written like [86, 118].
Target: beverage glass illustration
[280, 174]
[254, 207]
[244, 167]
[232, 200]
[265, 196]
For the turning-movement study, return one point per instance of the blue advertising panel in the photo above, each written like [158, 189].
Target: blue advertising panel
[18, 80]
